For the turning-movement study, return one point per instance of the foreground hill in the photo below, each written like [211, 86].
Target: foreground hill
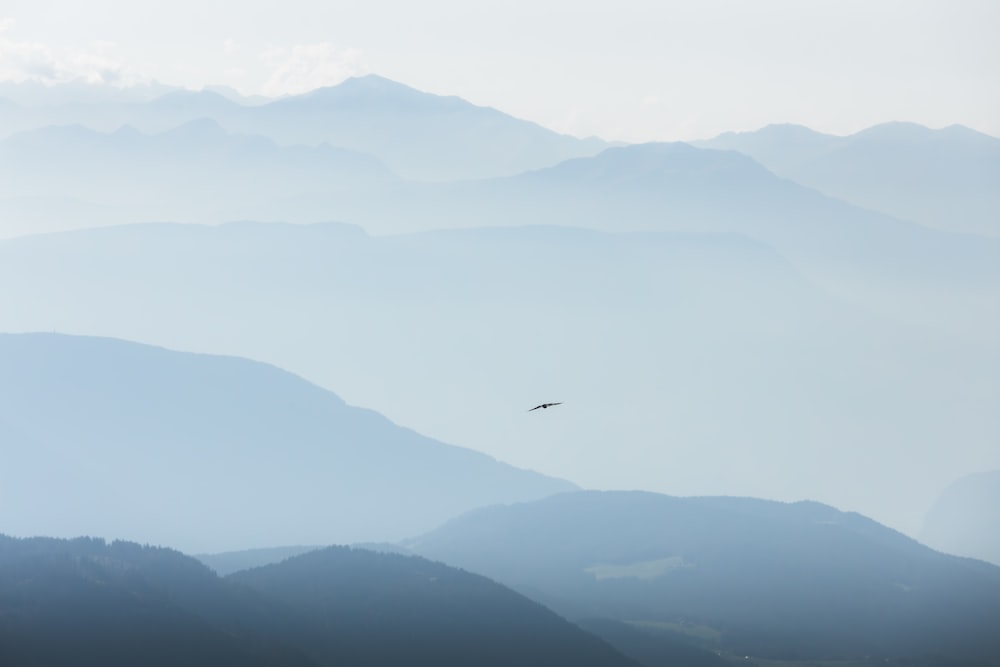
[945, 178]
[210, 453]
[767, 579]
[87, 602]
[392, 609]
[84, 601]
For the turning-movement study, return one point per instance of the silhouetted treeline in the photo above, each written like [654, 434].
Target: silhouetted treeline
[86, 602]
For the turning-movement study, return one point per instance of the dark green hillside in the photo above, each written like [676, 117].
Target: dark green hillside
[791, 581]
[357, 607]
[653, 649]
[85, 602]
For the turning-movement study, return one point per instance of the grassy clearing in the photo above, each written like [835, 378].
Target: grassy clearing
[649, 569]
[702, 632]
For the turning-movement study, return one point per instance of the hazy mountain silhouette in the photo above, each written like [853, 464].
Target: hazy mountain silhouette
[419, 135]
[227, 562]
[920, 275]
[194, 172]
[705, 348]
[389, 609]
[665, 187]
[781, 147]
[905, 270]
[793, 581]
[874, 259]
[83, 601]
[98, 107]
[942, 178]
[211, 453]
[965, 519]
[678, 187]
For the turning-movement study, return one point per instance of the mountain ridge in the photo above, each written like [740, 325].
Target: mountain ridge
[221, 430]
[754, 570]
[456, 332]
[942, 178]
[88, 601]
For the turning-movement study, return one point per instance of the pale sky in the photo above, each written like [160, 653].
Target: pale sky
[632, 70]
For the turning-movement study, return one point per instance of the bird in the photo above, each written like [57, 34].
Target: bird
[544, 405]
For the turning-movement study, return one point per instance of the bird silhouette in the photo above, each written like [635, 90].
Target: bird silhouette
[544, 405]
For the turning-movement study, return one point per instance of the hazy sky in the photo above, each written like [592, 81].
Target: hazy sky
[633, 69]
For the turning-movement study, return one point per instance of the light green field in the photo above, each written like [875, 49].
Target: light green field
[702, 632]
[649, 569]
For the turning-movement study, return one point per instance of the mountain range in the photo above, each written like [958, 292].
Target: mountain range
[212, 453]
[944, 178]
[196, 172]
[754, 329]
[210, 159]
[662, 344]
[71, 177]
[418, 135]
[85, 601]
[798, 581]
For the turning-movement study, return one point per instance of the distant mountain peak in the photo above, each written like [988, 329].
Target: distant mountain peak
[234, 95]
[656, 159]
[367, 85]
[895, 130]
[127, 132]
[374, 82]
[909, 132]
[199, 128]
[776, 130]
[375, 90]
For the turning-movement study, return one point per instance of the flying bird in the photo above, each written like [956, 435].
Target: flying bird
[544, 405]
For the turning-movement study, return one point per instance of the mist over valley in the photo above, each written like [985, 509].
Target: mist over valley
[268, 364]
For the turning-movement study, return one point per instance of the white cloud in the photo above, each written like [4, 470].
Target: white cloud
[649, 102]
[6, 23]
[24, 60]
[230, 46]
[305, 67]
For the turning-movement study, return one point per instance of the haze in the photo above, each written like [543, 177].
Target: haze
[630, 71]
[281, 280]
